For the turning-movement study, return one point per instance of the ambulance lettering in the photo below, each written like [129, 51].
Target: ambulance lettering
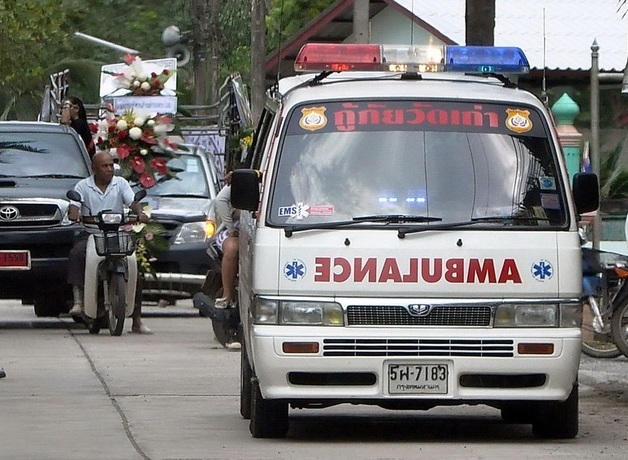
[415, 270]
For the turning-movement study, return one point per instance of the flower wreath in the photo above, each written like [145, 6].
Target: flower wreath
[137, 81]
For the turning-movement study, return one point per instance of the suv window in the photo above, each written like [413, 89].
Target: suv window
[36, 154]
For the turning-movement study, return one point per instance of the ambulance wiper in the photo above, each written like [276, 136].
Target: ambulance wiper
[476, 220]
[392, 218]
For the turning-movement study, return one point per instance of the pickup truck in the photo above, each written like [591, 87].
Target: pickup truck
[39, 163]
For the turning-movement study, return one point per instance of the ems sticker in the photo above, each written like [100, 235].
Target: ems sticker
[547, 183]
[302, 211]
[294, 270]
[313, 118]
[518, 120]
[542, 270]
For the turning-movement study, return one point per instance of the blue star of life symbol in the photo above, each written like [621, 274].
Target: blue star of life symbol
[542, 270]
[294, 270]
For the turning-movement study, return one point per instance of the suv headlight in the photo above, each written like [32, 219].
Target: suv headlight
[195, 232]
[297, 313]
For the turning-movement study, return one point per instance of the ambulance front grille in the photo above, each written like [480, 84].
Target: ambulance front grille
[495, 348]
[397, 315]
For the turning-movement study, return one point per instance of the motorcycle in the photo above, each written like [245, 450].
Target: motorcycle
[110, 270]
[604, 292]
[225, 322]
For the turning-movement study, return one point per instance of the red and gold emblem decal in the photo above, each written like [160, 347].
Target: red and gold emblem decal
[313, 118]
[518, 120]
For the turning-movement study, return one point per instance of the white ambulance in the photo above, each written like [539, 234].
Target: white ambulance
[409, 239]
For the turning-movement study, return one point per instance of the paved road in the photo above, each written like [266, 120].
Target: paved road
[174, 395]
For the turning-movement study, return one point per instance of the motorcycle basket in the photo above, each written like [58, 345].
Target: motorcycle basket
[114, 244]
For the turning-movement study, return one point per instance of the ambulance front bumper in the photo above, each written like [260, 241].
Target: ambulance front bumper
[468, 365]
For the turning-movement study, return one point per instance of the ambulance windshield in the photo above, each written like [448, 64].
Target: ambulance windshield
[452, 161]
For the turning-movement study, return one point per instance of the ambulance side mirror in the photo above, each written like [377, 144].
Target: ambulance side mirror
[586, 192]
[245, 189]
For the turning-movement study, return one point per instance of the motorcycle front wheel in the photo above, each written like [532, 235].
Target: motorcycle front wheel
[597, 344]
[619, 327]
[117, 299]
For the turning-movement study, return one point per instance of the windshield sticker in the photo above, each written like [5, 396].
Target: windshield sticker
[547, 183]
[542, 270]
[294, 270]
[550, 201]
[302, 211]
[518, 120]
[408, 115]
[313, 118]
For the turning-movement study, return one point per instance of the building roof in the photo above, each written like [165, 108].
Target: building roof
[570, 27]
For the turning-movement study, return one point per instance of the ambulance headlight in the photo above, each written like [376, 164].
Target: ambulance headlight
[527, 315]
[311, 313]
[297, 312]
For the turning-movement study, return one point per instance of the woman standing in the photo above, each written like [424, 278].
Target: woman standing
[73, 114]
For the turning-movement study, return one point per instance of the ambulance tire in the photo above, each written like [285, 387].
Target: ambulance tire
[269, 417]
[246, 374]
[557, 419]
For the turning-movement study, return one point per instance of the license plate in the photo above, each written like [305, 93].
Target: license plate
[15, 260]
[418, 378]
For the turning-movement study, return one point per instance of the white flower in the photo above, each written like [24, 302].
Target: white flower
[143, 152]
[160, 130]
[135, 133]
[113, 152]
[121, 125]
[103, 126]
[136, 83]
[150, 122]
[145, 86]
[139, 121]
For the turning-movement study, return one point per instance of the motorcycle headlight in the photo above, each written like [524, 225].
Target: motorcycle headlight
[297, 312]
[195, 232]
[111, 217]
[526, 315]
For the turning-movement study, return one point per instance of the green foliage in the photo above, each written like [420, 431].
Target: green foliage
[287, 16]
[613, 175]
[29, 30]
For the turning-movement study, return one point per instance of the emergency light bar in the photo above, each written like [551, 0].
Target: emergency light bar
[320, 57]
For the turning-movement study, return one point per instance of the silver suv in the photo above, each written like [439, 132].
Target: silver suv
[183, 206]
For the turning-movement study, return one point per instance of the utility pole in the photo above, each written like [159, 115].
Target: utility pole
[199, 53]
[480, 22]
[361, 21]
[258, 57]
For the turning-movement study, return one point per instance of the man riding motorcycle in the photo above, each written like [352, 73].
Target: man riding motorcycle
[101, 191]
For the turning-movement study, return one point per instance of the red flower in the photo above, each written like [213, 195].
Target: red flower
[129, 58]
[159, 165]
[138, 164]
[93, 127]
[148, 139]
[165, 72]
[147, 180]
[122, 134]
[153, 75]
[124, 151]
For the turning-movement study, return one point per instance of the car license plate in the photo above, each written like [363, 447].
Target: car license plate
[418, 378]
[15, 260]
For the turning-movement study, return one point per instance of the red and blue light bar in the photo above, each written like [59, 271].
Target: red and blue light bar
[320, 57]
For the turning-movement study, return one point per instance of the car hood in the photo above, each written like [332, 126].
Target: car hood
[179, 207]
[22, 187]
